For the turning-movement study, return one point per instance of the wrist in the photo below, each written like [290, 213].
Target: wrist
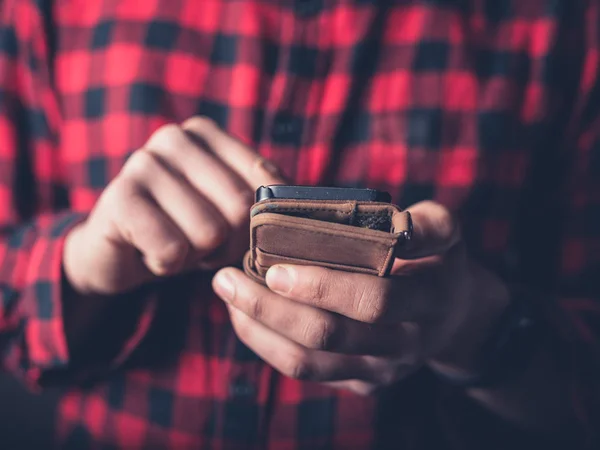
[488, 300]
[73, 267]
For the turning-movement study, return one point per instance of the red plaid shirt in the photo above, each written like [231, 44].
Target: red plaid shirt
[491, 107]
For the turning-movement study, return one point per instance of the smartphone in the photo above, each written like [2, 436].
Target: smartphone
[321, 193]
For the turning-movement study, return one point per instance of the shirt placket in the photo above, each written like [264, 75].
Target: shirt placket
[247, 410]
[286, 126]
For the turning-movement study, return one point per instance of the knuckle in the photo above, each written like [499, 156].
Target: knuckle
[240, 211]
[319, 288]
[391, 376]
[115, 205]
[200, 124]
[321, 334]
[265, 168]
[255, 306]
[376, 313]
[171, 252]
[370, 301]
[211, 236]
[165, 136]
[208, 236]
[140, 165]
[240, 216]
[112, 199]
[298, 367]
[391, 372]
[445, 224]
[387, 378]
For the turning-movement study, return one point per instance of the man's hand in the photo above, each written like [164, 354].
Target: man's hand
[180, 203]
[363, 332]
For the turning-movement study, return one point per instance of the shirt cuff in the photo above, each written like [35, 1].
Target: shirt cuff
[46, 359]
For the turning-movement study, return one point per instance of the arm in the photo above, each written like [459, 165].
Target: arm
[40, 316]
[163, 215]
[555, 403]
[535, 404]
[561, 389]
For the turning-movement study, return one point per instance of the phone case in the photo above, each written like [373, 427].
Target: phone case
[344, 235]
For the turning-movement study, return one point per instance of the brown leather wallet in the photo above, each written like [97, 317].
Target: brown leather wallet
[344, 235]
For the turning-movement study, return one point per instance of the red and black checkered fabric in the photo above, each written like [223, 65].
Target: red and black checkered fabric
[491, 107]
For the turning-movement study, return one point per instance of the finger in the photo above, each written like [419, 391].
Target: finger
[365, 388]
[248, 164]
[142, 224]
[204, 227]
[434, 231]
[218, 183]
[308, 326]
[293, 360]
[412, 266]
[356, 386]
[361, 297]
[390, 372]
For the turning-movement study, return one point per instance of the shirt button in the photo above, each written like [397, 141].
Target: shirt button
[287, 130]
[307, 8]
[240, 388]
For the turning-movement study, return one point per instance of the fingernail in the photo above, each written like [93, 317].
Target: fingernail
[157, 267]
[225, 286]
[280, 279]
[268, 167]
[271, 168]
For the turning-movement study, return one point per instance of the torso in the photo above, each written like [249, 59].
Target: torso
[433, 111]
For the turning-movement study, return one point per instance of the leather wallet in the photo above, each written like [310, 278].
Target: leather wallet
[338, 234]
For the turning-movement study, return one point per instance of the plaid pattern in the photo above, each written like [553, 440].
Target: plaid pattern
[491, 107]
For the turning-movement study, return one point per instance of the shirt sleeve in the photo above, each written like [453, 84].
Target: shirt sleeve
[34, 213]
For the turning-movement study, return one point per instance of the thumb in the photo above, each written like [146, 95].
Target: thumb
[435, 231]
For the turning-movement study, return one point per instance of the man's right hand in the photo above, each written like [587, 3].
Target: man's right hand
[180, 203]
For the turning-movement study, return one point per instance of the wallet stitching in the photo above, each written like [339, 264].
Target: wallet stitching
[347, 213]
[381, 213]
[392, 237]
[354, 215]
[361, 214]
[273, 211]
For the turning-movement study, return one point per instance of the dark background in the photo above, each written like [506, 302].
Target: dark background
[26, 420]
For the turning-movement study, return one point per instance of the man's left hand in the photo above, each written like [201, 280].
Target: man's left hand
[363, 332]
